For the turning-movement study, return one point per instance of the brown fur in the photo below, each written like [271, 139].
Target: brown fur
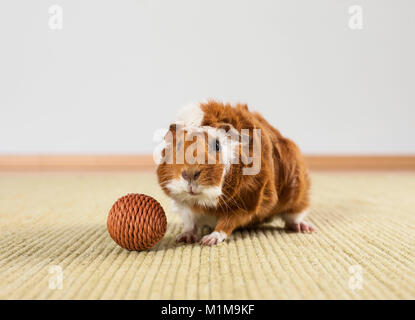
[281, 186]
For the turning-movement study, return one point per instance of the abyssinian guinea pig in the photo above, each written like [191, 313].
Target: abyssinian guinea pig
[229, 164]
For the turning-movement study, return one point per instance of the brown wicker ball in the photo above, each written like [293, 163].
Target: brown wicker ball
[136, 222]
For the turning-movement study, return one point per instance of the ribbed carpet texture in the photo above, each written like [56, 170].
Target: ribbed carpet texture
[54, 244]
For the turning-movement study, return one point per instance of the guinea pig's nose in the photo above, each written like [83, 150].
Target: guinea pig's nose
[190, 175]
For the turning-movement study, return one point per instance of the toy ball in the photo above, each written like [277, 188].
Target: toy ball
[136, 222]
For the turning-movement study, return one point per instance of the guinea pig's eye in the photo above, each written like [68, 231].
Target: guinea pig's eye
[217, 145]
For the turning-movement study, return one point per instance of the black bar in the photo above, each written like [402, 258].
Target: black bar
[205, 309]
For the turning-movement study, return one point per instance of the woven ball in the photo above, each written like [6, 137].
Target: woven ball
[136, 222]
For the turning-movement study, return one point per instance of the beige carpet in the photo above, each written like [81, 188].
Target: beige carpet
[53, 227]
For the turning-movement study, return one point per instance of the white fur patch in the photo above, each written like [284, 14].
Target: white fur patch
[207, 196]
[191, 115]
[214, 238]
[189, 224]
[294, 218]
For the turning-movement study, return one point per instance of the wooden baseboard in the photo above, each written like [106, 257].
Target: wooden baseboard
[366, 163]
[145, 162]
[76, 162]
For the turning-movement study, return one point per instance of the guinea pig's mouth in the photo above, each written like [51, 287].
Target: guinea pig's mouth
[192, 191]
[195, 193]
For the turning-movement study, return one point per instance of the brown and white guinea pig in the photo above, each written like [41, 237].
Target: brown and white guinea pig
[216, 164]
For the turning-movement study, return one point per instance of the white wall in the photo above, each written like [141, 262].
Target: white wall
[118, 70]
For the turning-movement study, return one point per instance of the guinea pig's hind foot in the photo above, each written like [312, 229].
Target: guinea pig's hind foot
[187, 237]
[213, 238]
[302, 226]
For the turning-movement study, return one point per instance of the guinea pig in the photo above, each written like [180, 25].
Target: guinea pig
[231, 166]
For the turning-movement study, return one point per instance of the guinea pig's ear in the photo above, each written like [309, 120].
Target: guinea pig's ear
[176, 126]
[173, 127]
[225, 126]
[169, 135]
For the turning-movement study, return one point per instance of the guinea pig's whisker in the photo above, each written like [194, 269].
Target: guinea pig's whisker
[234, 202]
[233, 199]
[226, 208]
[227, 199]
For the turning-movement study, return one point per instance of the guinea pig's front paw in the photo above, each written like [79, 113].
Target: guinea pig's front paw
[303, 226]
[187, 237]
[213, 238]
